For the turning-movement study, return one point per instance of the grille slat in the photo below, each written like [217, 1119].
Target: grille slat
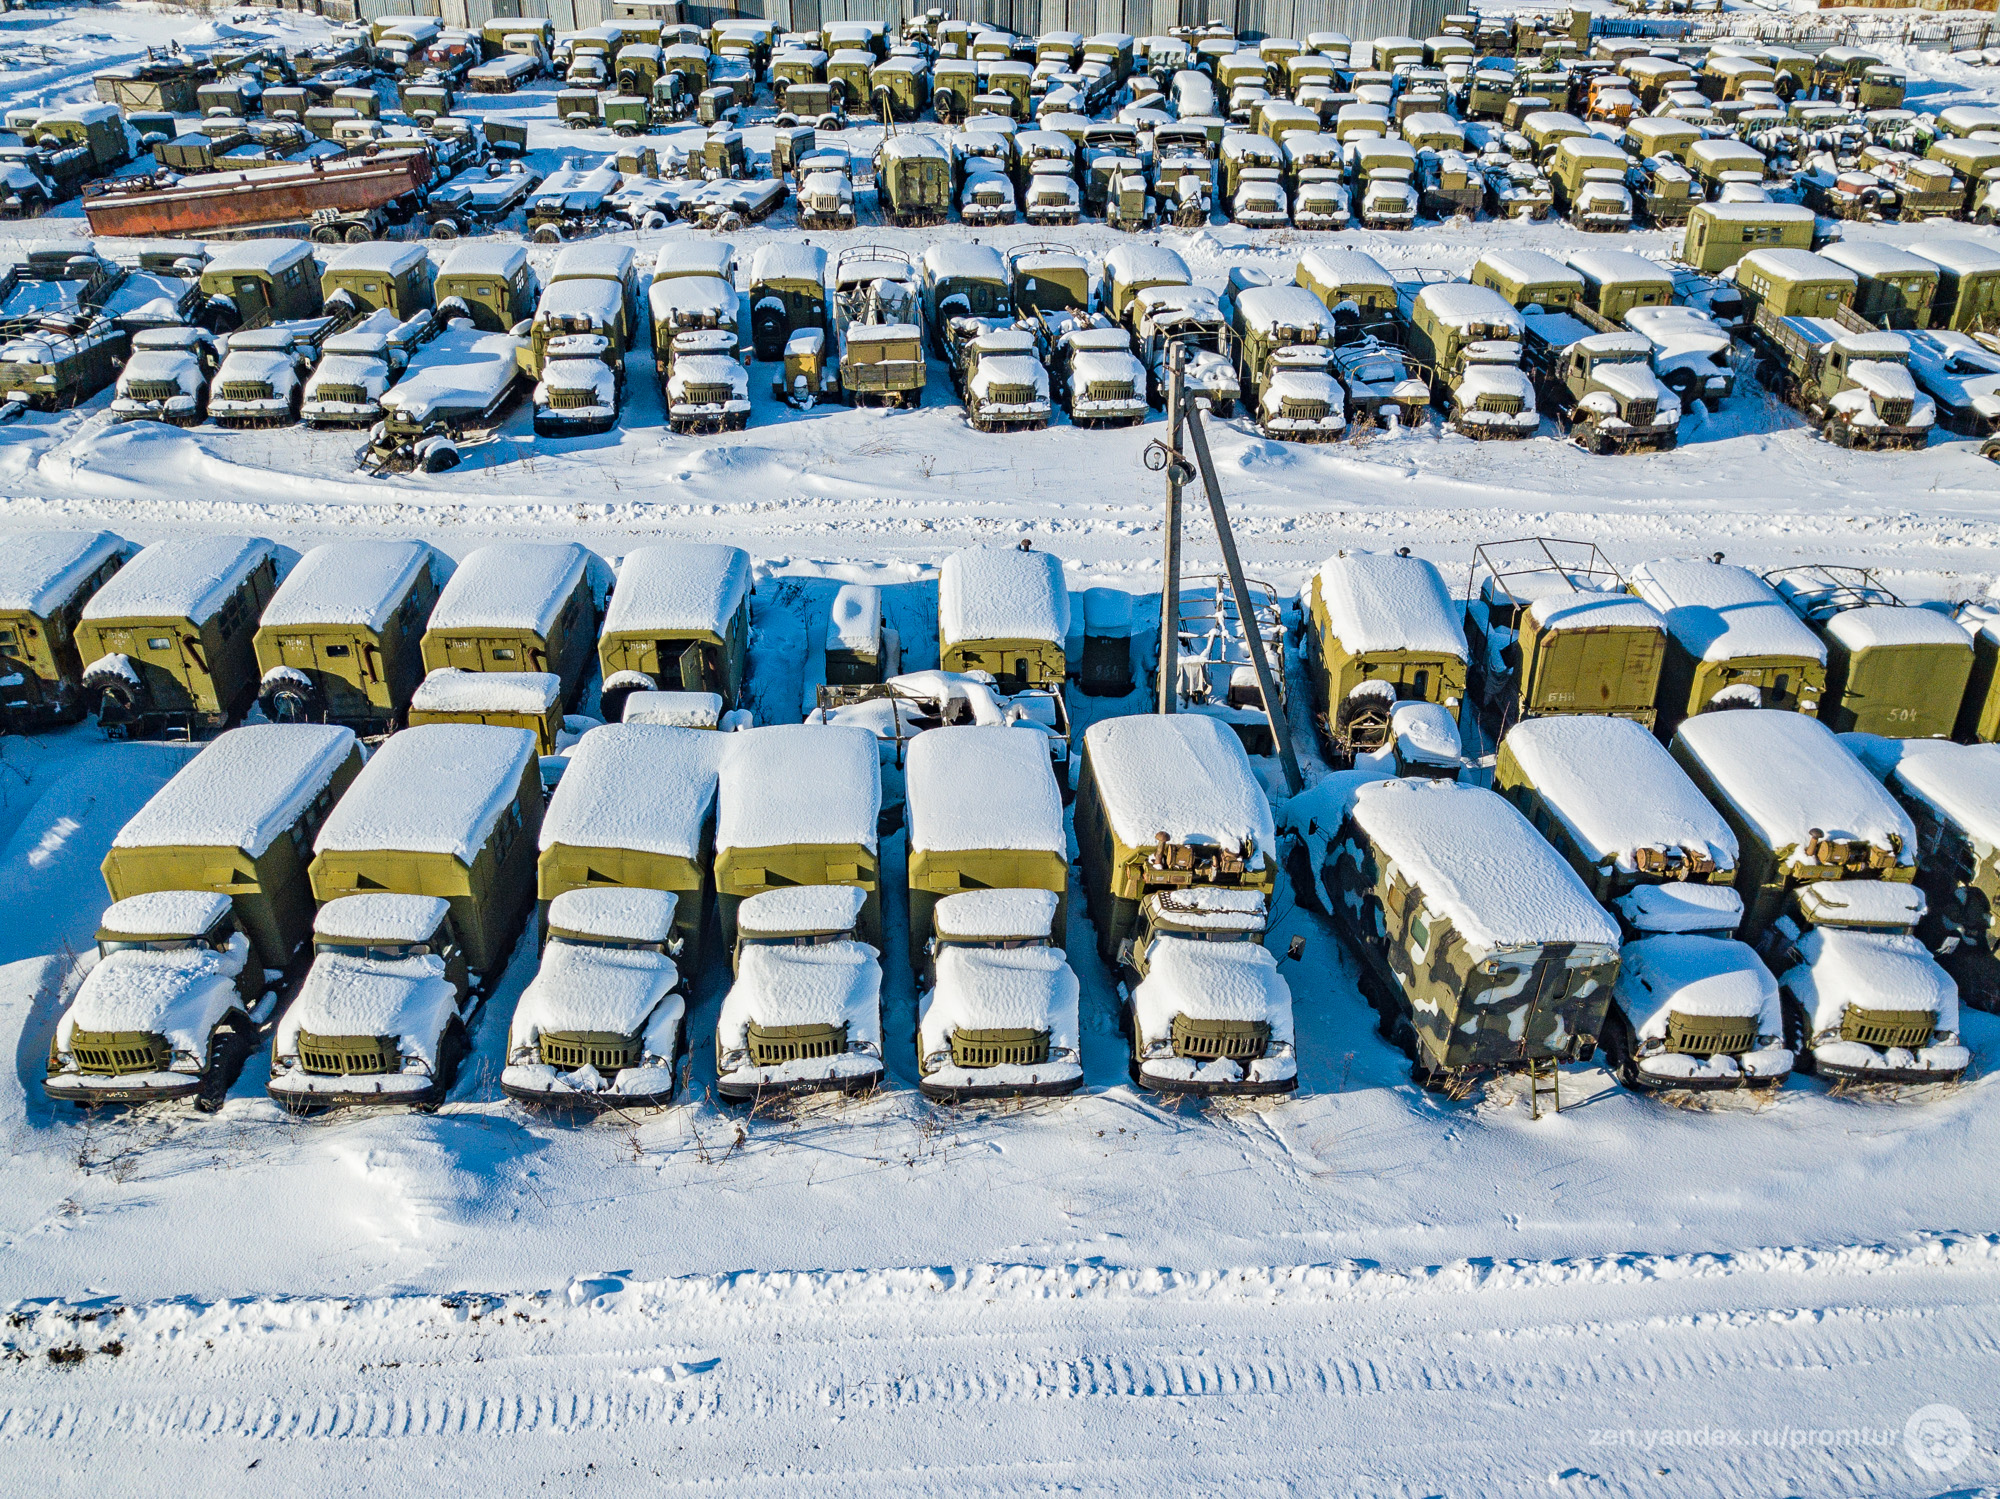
[1211, 1040]
[607, 1051]
[772, 1046]
[152, 390]
[1909, 1029]
[352, 395]
[999, 1048]
[238, 390]
[706, 395]
[561, 399]
[349, 1056]
[117, 1053]
[1710, 1035]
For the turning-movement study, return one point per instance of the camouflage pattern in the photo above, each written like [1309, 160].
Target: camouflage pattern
[1455, 1008]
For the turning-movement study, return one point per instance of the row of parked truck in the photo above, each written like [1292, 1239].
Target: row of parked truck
[1761, 893]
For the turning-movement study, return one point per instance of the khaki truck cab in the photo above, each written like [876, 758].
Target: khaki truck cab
[492, 284]
[1284, 338]
[1692, 1009]
[1890, 669]
[167, 642]
[45, 581]
[877, 314]
[1178, 855]
[164, 1012]
[1826, 873]
[1529, 280]
[1481, 949]
[1968, 294]
[252, 282]
[381, 1016]
[1355, 289]
[1731, 642]
[1382, 629]
[1598, 382]
[1720, 234]
[998, 1017]
[913, 179]
[787, 296]
[1588, 176]
[1949, 792]
[1551, 630]
[679, 619]
[1468, 338]
[517, 606]
[341, 640]
[600, 1026]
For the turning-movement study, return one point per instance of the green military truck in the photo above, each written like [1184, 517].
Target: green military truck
[517, 606]
[168, 642]
[678, 620]
[1597, 381]
[46, 579]
[342, 639]
[1382, 628]
[1950, 792]
[1890, 669]
[913, 181]
[1481, 950]
[1468, 340]
[1731, 642]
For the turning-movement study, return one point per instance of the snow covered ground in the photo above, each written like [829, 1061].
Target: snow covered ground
[1364, 1289]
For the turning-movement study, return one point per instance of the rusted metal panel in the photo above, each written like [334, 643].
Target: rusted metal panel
[231, 200]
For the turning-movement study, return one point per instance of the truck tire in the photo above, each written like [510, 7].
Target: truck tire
[117, 698]
[326, 234]
[358, 234]
[549, 234]
[444, 229]
[293, 702]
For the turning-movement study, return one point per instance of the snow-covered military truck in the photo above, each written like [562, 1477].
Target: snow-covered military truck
[46, 578]
[342, 639]
[999, 1018]
[1382, 628]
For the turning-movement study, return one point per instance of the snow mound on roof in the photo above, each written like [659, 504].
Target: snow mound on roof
[679, 588]
[1870, 971]
[623, 914]
[1462, 306]
[39, 570]
[1480, 863]
[164, 913]
[347, 995]
[189, 578]
[357, 583]
[608, 990]
[1426, 733]
[1002, 593]
[515, 585]
[801, 908]
[1211, 981]
[381, 918]
[451, 690]
[782, 260]
[437, 788]
[1724, 613]
[1962, 782]
[980, 787]
[1185, 775]
[1862, 903]
[1787, 774]
[1681, 907]
[991, 915]
[1617, 790]
[1128, 263]
[828, 984]
[991, 989]
[685, 710]
[792, 784]
[855, 621]
[1874, 625]
[179, 995]
[1529, 267]
[645, 787]
[244, 789]
[1211, 908]
[1659, 976]
[1378, 601]
[1590, 610]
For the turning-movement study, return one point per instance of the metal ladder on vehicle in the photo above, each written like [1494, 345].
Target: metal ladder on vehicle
[1536, 1091]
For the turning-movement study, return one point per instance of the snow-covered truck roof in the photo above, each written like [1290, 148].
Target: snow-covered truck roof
[798, 909]
[782, 260]
[1128, 264]
[165, 913]
[678, 588]
[792, 784]
[1617, 790]
[608, 991]
[1874, 625]
[245, 788]
[694, 257]
[1267, 308]
[380, 916]
[1720, 612]
[594, 260]
[996, 915]
[179, 995]
[381, 256]
[1460, 305]
[484, 258]
[1793, 265]
[437, 788]
[1335, 267]
[1382, 601]
[1530, 268]
[908, 147]
[1867, 257]
[1961, 781]
[1182, 774]
[1617, 267]
[582, 297]
[1964, 257]
[646, 787]
[356, 583]
[511, 585]
[40, 570]
[189, 577]
[981, 787]
[448, 689]
[621, 913]
[1590, 609]
[462, 369]
[954, 260]
[702, 295]
[854, 621]
[1480, 864]
[257, 256]
[1002, 593]
[1787, 775]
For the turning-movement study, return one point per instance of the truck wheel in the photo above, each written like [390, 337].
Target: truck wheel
[444, 229]
[326, 235]
[729, 223]
[549, 234]
[441, 456]
[1797, 1035]
[1834, 432]
[358, 234]
[293, 702]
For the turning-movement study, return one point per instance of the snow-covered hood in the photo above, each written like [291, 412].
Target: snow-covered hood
[608, 990]
[1024, 988]
[822, 185]
[1634, 382]
[1303, 385]
[706, 369]
[1496, 380]
[179, 995]
[1010, 369]
[593, 375]
[1211, 981]
[163, 366]
[269, 366]
[366, 371]
[1694, 975]
[829, 984]
[1090, 366]
[1884, 381]
[1871, 971]
[346, 995]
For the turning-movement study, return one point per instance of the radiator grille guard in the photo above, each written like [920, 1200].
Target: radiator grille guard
[999, 1048]
[1213, 1040]
[772, 1046]
[117, 1053]
[349, 1056]
[607, 1051]
[1710, 1035]
[1909, 1029]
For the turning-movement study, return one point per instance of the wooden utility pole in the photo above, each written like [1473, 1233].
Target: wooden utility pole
[1170, 577]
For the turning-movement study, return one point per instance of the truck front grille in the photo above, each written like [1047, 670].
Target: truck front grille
[1301, 411]
[1002, 1048]
[607, 1051]
[246, 390]
[349, 1056]
[564, 399]
[1010, 395]
[1909, 1029]
[1895, 413]
[347, 395]
[116, 1053]
[1506, 405]
[705, 395]
[151, 390]
[771, 1046]
[1641, 413]
[1108, 390]
[1212, 1040]
[1710, 1035]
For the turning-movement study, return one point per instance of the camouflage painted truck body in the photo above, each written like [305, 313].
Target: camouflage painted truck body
[1168, 808]
[1382, 629]
[1482, 950]
[1692, 1008]
[1826, 874]
[46, 578]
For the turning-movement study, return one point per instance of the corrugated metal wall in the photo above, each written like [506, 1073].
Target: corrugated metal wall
[1251, 18]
